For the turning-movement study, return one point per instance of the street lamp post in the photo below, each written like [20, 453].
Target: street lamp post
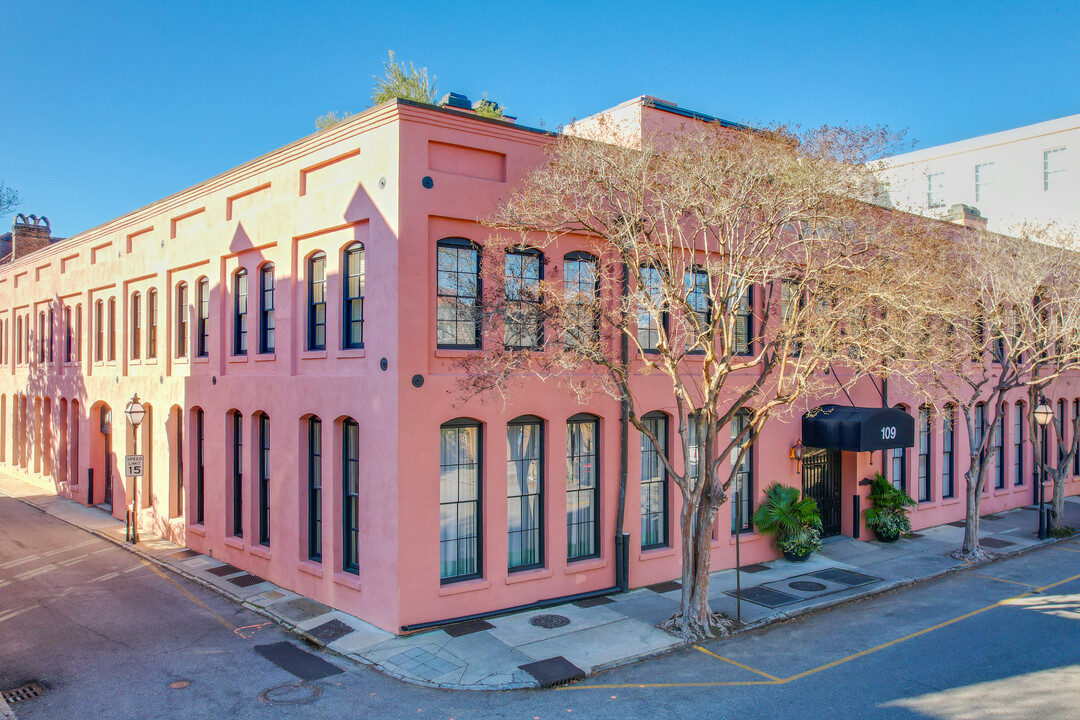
[135, 412]
[1043, 415]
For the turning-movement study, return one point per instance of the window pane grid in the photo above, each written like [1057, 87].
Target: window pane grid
[350, 449]
[354, 298]
[200, 502]
[924, 454]
[240, 312]
[459, 508]
[457, 296]
[264, 480]
[582, 292]
[654, 485]
[524, 492]
[744, 476]
[315, 489]
[151, 324]
[181, 321]
[238, 475]
[1018, 445]
[204, 318]
[266, 311]
[317, 303]
[582, 489]
[522, 275]
[649, 315]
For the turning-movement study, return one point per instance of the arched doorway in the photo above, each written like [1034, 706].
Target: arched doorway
[102, 461]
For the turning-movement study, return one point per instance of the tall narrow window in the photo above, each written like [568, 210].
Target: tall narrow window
[350, 496]
[1076, 456]
[240, 312]
[316, 315]
[1053, 168]
[1059, 426]
[524, 493]
[50, 334]
[999, 448]
[948, 448]
[522, 273]
[935, 197]
[459, 501]
[744, 322]
[68, 332]
[581, 287]
[353, 301]
[654, 483]
[151, 323]
[699, 300]
[457, 294]
[200, 476]
[266, 309]
[99, 331]
[924, 454]
[651, 318]
[136, 326]
[41, 337]
[314, 493]
[181, 320]
[78, 333]
[1018, 444]
[237, 474]
[984, 179]
[898, 463]
[18, 340]
[264, 479]
[112, 329]
[744, 473]
[979, 428]
[203, 291]
[582, 487]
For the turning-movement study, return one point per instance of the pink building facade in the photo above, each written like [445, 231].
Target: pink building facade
[293, 327]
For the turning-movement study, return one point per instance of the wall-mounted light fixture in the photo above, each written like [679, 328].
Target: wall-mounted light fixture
[796, 455]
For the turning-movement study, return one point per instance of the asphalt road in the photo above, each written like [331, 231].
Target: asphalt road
[107, 636]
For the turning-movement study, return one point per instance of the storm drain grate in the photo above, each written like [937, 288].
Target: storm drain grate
[664, 587]
[246, 580]
[760, 595]
[995, 543]
[593, 602]
[553, 671]
[186, 554]
[29, 691]
[755, 567]
[845, 577]
[467, 628]
[223, 570]
[549, 622]
[330, 631]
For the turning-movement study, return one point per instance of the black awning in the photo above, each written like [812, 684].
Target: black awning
[858, 429]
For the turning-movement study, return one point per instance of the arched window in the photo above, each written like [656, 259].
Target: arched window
[200, 465]
[979, 425]
[1059, 427]
[457, 294]
[924, 453]
[581, 290]
[1076, 456]
[525, 492]
[18, 340]
[999, 447]
[654, 482]
[460, 519]
[237, 447]
[264, 478]
[99, 331]
[522, 273]
[41, 336]
[314, 485]
[151, 323]
[78, 333]
[69, 331]
[178, 487]
[112, 329]
[240, 312]
[1018, 444]
[203, 327]
[350, 496]
[136, 326]
[744, 322]
[181, 320]
[898, 463]
[582, 487]
[266, 308]
[316, 320]
[50, 333]
[744, 472]
[948, 451]
[353, 265]
[699, 300]
[651, 316]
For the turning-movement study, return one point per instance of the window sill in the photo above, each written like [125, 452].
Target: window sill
[205, 360]
[199, 530]
[585, 565]
[950, 501]
[260, 551]
[745, 537]
[347, 579]
[352, 353]
[527, 575]
[150, 361]
[313, 355]
[311, 568]
[235, 542]
[455, 352]
[238, 359]
[181, 360]
[656, 553]
[265, 357]
[464, 586]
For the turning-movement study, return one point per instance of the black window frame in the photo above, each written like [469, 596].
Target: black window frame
[1059, 425]
[267, 306]
[650, 345]
[237, 529]
[900, 454]
[99, 330]
[1018, 444]
[264, 478]
[350, 496]
[573, 456]
[744, 323]
[477, 538]
[352, 296]
[202, 291]
[68, 330]
[240, 312]
[695, 298]
[926, 452]
[151, 323]
[574, 286]
[948, 452]
[200, 467]
[744, 478]
[522, 314]
[316, 302]
[998, 441]
[522, 494]
[460, 317]
[314, 489]
[656, 487]
[136, 326]
[182, 320]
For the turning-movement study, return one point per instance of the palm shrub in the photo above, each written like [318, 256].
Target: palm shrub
[794, 522]
[888, 517]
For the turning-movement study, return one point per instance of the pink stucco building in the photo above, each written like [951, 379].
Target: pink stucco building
[292, 327]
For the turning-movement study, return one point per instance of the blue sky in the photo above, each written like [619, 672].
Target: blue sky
[109, 106]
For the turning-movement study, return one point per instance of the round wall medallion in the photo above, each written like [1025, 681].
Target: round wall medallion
[807, 586]
[418, 380]
[382, 183]
[383, 364]
[549, 621]
[213, 380]
[427, 182]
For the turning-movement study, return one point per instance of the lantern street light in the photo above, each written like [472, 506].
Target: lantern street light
[135, 412]
[1043, 415]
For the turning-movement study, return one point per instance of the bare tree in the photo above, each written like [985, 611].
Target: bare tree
[9, 199]
[683, 231]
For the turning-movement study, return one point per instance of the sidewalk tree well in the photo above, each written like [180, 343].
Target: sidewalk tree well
[727, 269]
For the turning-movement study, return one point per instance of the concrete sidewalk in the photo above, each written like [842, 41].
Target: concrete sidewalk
[591, 635]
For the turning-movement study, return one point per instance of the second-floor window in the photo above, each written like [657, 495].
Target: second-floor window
[151, 324]
[181, 320]
[984, 179]
[353, 300]
[136, 326]
[651, 318]
[935, 195]
[581, 287]
[457, 294]
[266, 308]
[99, 331]
[68, 331]
[316, 328]
[240, 307]
[1053, 168]
[523, 272]
[203, 346]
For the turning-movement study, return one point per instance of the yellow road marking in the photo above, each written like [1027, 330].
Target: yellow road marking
[18, 611]
[988, 577]
[192, 598]
[826, 666]
[736, 663]
[1061, 547]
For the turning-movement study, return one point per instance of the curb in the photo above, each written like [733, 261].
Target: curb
[783, 617]
[5, 710]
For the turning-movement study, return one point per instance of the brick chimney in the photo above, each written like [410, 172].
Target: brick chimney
[29, 233]
[966, 215]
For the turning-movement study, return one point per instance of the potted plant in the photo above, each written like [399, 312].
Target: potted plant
[794, 522]
[888, 516]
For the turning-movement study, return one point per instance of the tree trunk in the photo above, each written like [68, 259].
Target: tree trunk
[971, 550]
[695, 619]
[1057, 515]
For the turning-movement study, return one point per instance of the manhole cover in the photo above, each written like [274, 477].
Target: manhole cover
[549, 621]
[28, 691]
[180, 684]
[807, 586]
[299, 693]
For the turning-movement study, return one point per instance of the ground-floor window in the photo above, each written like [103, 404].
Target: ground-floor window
[1018, 444]
[264, 479]
[924, 454]
[582, 487]
[744, 473]
[237, 474]
[459, 500]
[999, 449]
[350, 495]
[200, 503]
[654, 483]
[524, 493]
[314, 489]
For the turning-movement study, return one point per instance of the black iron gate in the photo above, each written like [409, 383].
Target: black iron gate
[821, 481]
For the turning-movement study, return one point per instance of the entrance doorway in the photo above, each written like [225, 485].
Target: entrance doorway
[106, 432]
[821, 481]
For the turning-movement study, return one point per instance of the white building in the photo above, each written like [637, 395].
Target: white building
[1028, 173]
